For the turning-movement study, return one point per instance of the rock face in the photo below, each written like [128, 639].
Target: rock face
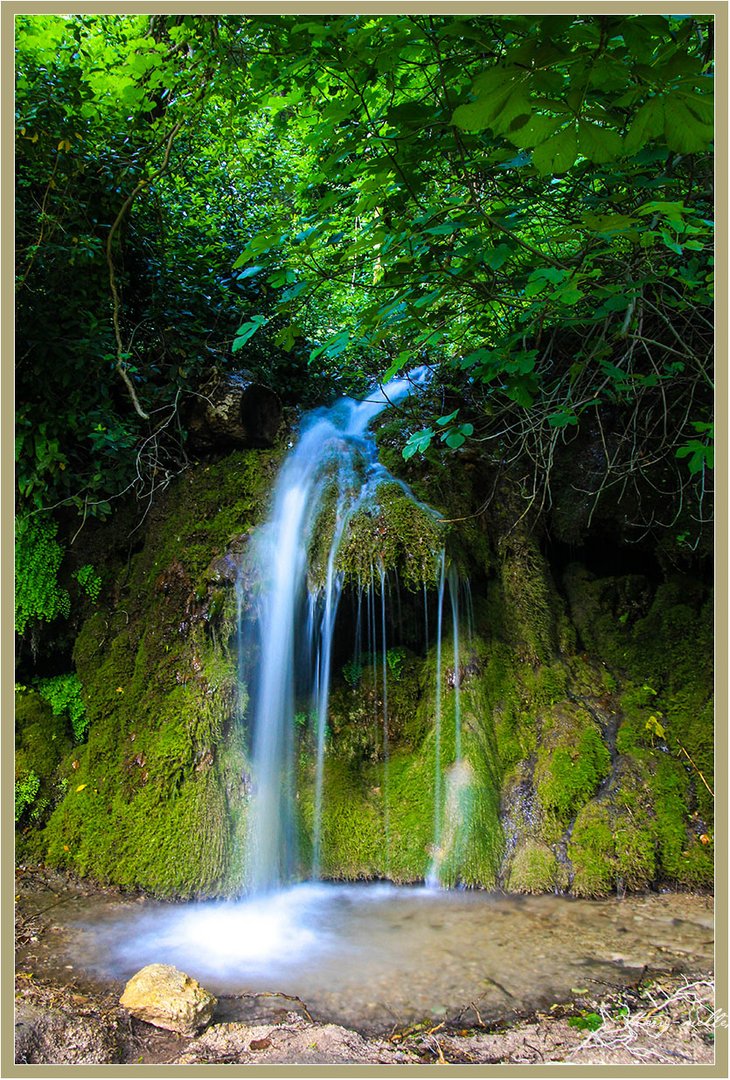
[168, 998]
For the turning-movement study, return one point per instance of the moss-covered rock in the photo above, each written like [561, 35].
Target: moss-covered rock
[533, 869]
[156, 797]
[585, 722]
[392, 532]
[42, 741]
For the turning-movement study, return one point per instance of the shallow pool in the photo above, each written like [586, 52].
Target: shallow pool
[377, 957]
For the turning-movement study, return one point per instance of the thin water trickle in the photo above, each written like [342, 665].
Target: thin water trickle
[432, 877]
[386, 748]
[454, 595]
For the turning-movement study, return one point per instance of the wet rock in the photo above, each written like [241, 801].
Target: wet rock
[168, 998]
[46, 1036]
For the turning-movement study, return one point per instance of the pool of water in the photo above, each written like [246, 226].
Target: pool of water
[376, 957]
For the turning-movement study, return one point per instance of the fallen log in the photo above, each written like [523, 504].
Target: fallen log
[235, 410]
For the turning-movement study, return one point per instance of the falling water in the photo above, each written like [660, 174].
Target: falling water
[386, 749]
[454, 595]
[437, 718]
[449, 819]
[334, 453]
[332, 591]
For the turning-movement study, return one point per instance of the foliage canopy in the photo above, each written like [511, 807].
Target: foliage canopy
[522, 202]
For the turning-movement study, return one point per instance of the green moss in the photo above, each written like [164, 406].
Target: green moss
[683, 859]
[156, 798]
[352, 826]
[42, 741]
[378, 817]
[635, 852]
[571, 761]
[533, 869]
[531, 602]
[395, 533]
[591, 850]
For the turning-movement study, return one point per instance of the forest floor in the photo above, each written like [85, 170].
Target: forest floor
[664, 1018]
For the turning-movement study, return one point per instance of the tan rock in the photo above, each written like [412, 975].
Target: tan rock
[168, 998]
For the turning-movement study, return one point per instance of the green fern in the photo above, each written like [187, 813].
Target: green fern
[63, 694]
[89, 581]
[26, 790]
[38, 557]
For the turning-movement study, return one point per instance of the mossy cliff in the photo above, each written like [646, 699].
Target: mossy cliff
[585, 708]
[154, 797]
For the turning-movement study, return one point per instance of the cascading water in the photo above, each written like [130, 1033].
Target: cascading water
[449, 817]
[334, 459]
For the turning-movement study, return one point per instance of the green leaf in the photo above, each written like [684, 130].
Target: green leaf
[496, 109]
[557, 154]
[648, 124]
[535, 130]
[250, 272]
[418, 442]
[247, 331]
[700, 105]
[286, 337]
[496, 258]
[562, 419]
[682, 130]
[442, 420]
[444, 228]
[569, 295]
[699, 455]
[599, 144]
[521, 391]
[670, 242]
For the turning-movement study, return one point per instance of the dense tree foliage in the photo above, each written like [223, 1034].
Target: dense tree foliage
[524, 203]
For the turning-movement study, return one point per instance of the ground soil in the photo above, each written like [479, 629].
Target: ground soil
[667, 1018]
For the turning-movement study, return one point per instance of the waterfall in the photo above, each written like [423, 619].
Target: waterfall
[386, 748]
[437, 721]
[332, 468]
[330, 474]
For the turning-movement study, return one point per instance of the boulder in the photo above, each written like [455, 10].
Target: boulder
[168, 998]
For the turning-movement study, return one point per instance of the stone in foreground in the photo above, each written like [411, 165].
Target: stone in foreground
[168, 998]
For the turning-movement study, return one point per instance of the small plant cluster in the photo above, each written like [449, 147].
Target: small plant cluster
[26, 790]
[394, 658]
[38, 556]
[89, 581]
[63, 694]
